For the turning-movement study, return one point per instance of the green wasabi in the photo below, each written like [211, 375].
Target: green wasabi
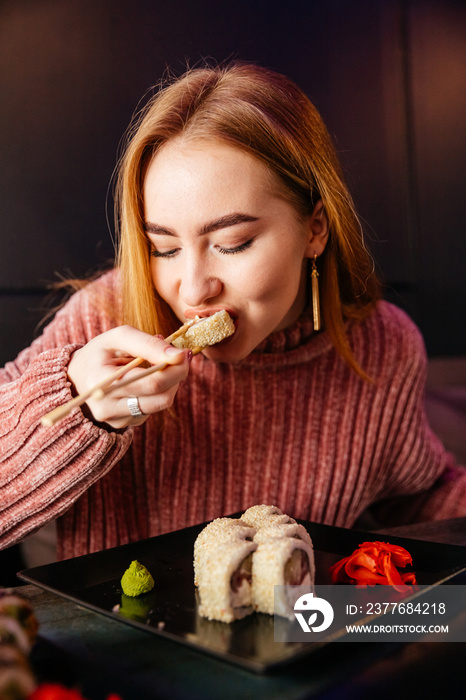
[136, 580]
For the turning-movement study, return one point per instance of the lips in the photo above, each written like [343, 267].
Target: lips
[205, 313]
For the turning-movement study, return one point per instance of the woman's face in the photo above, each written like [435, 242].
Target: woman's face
[223, 237]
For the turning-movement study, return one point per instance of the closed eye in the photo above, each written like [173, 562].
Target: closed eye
[221, 249]
[165, 254]
[237, 249]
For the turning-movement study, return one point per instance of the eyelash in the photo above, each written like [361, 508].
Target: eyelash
[238, 249]
[224, 251]
[157, 254]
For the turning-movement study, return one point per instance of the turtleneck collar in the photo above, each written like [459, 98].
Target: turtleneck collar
[293, 345]
[299, 333]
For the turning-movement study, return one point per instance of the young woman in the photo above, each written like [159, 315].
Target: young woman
[230, 197]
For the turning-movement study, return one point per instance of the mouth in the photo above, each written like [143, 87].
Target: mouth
[205, 313]
[210, 311]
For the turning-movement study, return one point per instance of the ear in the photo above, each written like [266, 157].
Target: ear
[318, 230]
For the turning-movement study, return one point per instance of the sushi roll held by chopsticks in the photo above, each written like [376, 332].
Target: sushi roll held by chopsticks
[206, 331]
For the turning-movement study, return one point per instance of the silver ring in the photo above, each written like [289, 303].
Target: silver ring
[134, 407]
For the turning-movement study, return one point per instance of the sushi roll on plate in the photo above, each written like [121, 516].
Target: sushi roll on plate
[224, 581]
[286, 562]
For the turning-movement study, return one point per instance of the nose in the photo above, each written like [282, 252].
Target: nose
[199, 282]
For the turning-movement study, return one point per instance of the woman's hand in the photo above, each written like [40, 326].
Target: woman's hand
[109, 351]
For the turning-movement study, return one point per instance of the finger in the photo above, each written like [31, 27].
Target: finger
[140, 382]
[117, 413]
[136, 343]
[149, 404]
[158, 391]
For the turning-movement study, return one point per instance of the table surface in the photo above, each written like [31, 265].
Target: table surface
[79, 647]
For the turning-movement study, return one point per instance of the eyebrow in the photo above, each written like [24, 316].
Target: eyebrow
[223, 222]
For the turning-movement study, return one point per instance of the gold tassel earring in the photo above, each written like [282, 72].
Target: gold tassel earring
[315, 295]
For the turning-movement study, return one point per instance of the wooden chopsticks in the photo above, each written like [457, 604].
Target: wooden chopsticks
[100, 393]
[99, 390]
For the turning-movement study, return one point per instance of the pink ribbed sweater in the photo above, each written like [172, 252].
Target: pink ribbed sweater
[291, 425]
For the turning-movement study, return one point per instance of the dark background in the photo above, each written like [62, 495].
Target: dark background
[389, 78]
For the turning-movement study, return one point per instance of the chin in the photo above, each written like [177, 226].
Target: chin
[226, 353]
[233, 349]
[219, 355]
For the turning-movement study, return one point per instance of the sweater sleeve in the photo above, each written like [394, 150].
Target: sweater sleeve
[44, 470]
[422, 480]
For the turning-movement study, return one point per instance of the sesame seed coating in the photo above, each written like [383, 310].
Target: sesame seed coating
[207, 331]
[214, 581]
[259, 516]
[238, 563]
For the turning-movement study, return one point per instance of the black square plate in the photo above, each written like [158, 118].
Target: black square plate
[170, 610]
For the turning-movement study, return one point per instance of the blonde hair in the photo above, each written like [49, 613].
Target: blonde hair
[269, 117]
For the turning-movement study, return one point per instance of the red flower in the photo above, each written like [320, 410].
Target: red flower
[55, 691]
[374, 562]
